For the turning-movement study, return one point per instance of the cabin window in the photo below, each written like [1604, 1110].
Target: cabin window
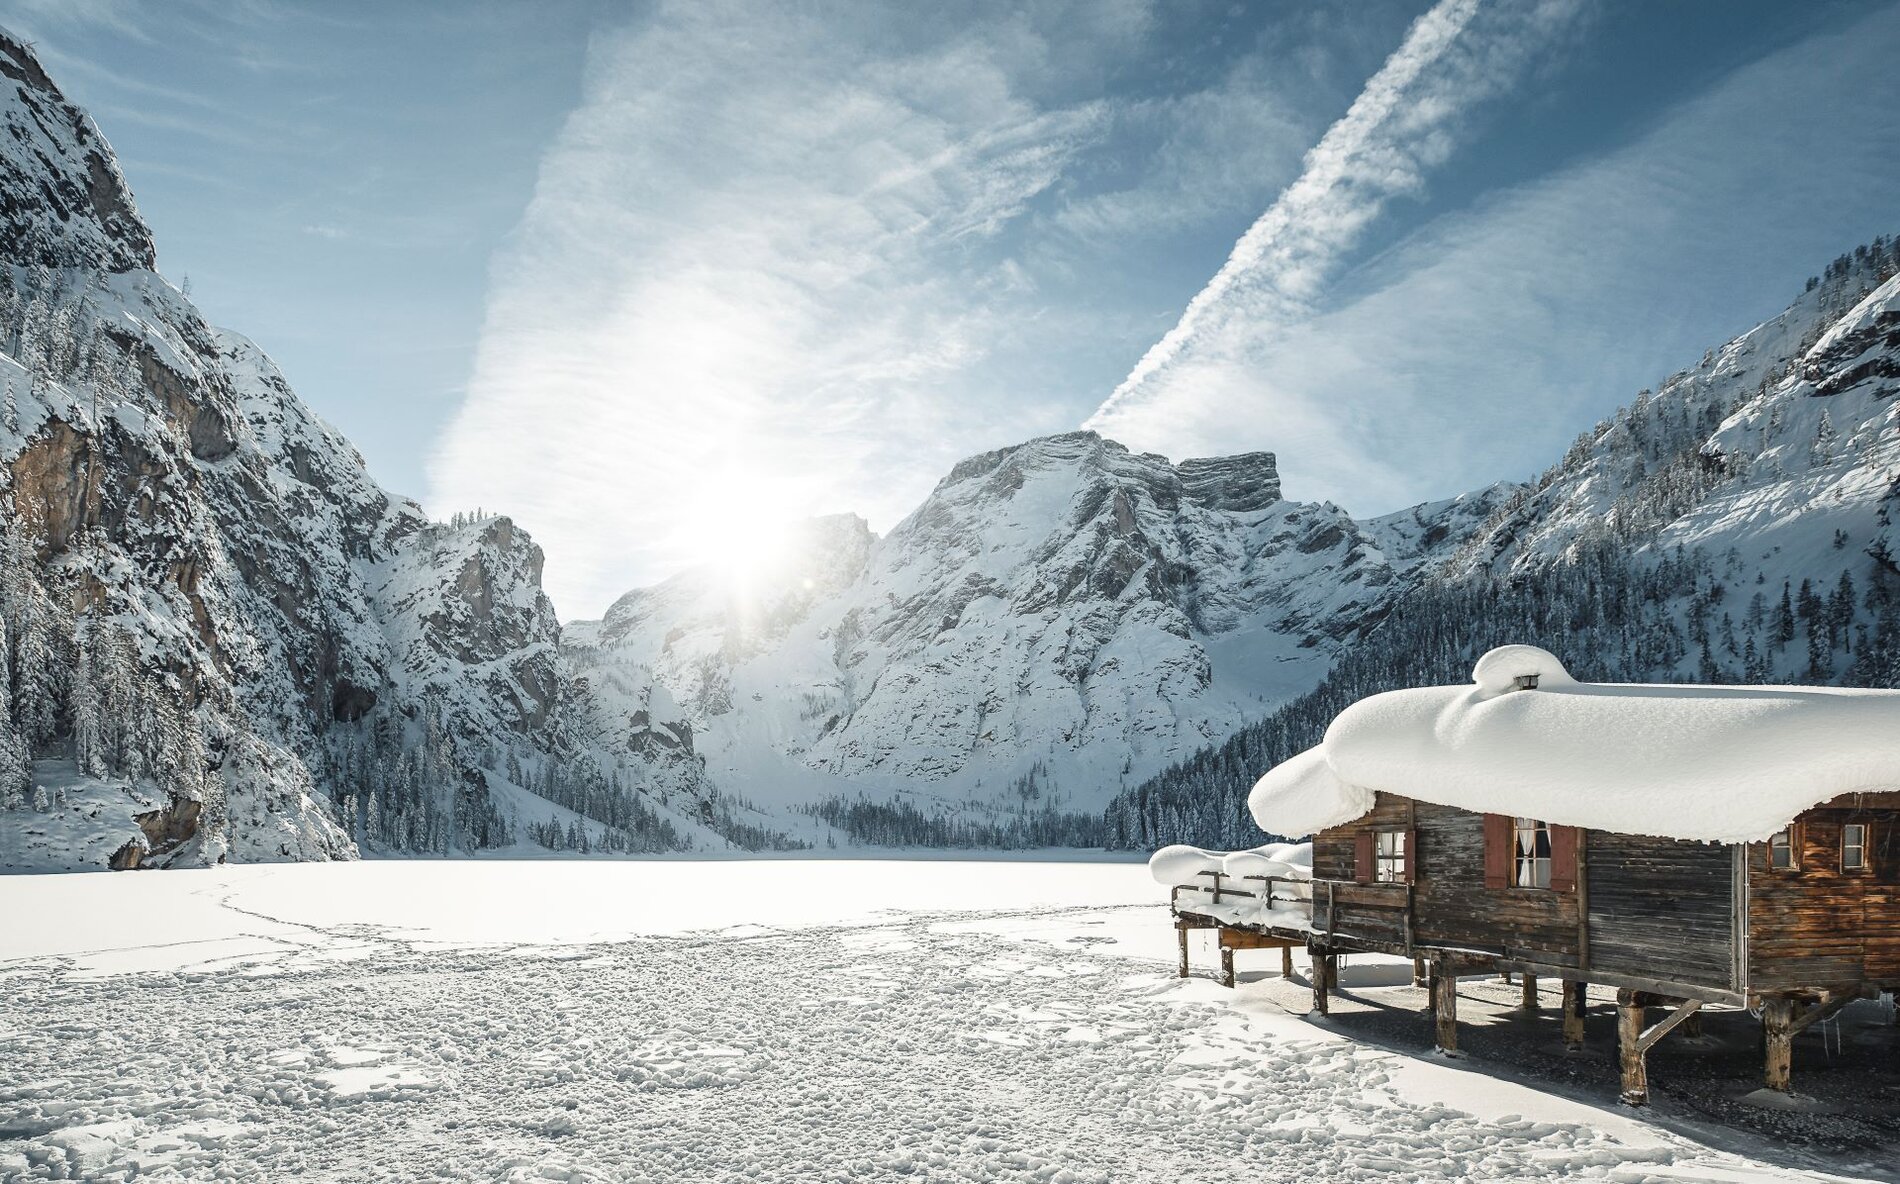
[1781, 850]
[1531, 863]
[1854, 847]
[1389, 858]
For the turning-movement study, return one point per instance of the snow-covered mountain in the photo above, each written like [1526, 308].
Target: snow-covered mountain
[1737, 524]
[219, 637]
[1055, 619]
[209, 603]
[1778, 456]
[1061, 620]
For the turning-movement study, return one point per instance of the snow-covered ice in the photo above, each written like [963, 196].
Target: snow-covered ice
[679, 1020]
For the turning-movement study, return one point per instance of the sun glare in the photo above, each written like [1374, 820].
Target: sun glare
[740, 525]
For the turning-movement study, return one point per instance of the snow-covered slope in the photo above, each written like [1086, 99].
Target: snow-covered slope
[1778, 457]
[206, 596]
[1056, 619]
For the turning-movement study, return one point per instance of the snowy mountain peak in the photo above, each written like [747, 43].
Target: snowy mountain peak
[1054, 618]
[63, 201]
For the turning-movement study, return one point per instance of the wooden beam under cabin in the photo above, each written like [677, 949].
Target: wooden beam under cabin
[1630, 1014]
[1576, 1000]
[1651, 1035]
[1322, 979]
[1777, 1030]
[1445, 1005]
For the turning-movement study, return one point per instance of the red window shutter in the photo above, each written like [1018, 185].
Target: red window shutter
[1362, 863]
[1411, 857]
[1563, 858]
[1497, 850]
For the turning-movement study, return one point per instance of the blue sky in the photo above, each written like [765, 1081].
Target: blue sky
[654, 278]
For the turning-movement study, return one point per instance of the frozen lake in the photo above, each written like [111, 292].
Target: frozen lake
[679, 1020]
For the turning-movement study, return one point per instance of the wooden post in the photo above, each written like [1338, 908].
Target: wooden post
[1445, 1005]
[1419, 978]
[1332, 973]
[1226, 965]
[1576, 998]
[1286, 961]
[1322, 977]
[1692, 1027]
[1777, 1030]
[1182, 930]
[1629, 1035]
[1529, 1000]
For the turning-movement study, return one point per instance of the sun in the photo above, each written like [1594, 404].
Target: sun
[739, 525]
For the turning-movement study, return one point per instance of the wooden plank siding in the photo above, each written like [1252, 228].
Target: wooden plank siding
[1456, 909]
[1816, 925]
[1451, 907]
[1661, 907]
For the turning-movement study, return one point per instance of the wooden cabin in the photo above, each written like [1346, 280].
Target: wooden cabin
[1689, 846]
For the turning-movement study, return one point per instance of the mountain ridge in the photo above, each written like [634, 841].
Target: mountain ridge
[221, 638]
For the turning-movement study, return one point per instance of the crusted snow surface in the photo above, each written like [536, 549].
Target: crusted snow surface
[957, 1037]
[1718, 764]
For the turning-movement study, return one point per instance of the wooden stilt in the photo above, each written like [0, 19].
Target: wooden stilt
[1777, 1029]
[1332, 973]
[1226, 965]
[1182, 930]
[1286, 961]
[1322, 978]
[1629, 1047]
[1445, 1005]
[1692, 1026]
[1576, 998]
[1419, 977]
[1529, 999]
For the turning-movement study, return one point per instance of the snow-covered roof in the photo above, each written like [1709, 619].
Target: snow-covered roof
[1721, 764]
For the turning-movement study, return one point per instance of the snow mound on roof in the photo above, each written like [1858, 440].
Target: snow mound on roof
[1720, 764]
[1499, 669]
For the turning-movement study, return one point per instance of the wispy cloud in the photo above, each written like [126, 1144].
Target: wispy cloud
[1478, 345]
[759, 269]
[1408, 120]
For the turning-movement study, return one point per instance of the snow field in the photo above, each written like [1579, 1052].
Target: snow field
[939, 1041]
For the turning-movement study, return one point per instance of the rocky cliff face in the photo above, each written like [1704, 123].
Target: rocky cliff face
[1055, 618]
[208, 598]
[62, 200]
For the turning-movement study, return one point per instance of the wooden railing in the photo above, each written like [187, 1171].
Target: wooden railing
[1396, 898]
[1219, 890]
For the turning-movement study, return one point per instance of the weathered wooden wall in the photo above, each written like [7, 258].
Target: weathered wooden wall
[1367, 912]
[1661, 908]
[1451, 905]
[1817, 926]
